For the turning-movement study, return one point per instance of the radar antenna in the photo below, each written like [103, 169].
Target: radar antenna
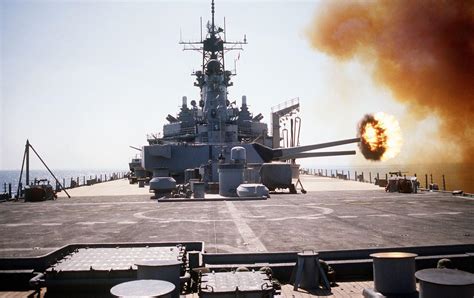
[213, 46]
[212, 12]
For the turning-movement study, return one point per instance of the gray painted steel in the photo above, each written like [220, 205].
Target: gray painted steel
[394, 272]
[276, 175]
[116, 258]
[307, 271]
[236, 284]
[238, 154]
[445, 283]
[167, 270]
[161, 185]
[143, 288]
[202, 135]
[230, 177]
[199, 189]
[252, 190]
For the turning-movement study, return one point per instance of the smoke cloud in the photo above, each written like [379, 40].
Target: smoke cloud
[422, 50]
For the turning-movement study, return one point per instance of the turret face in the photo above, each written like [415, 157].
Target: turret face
[214, 118]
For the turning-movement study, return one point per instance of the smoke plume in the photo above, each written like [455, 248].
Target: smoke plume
[422, 50]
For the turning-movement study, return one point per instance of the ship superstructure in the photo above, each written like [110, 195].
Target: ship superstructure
[200, 138]
[214, 118]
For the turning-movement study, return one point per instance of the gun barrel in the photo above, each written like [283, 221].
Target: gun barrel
[171, 119]
[282, 153]
[317, 154]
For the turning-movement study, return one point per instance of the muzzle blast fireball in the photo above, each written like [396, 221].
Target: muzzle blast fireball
[380, 136]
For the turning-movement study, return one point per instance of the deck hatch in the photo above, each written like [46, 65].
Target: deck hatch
[217, 283]
[118, 258]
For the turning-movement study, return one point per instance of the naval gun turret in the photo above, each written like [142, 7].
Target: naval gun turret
[200, 138]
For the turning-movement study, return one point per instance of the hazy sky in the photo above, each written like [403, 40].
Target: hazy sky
[83, 80]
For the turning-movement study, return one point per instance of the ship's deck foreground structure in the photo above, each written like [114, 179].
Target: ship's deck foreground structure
[344, 221]
[333, 215]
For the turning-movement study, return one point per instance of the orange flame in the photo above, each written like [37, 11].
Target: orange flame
[381, 138]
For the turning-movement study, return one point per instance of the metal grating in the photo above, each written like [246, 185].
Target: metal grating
[119, 258]
[221, 282]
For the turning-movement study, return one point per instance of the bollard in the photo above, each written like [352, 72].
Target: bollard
[431, 178]
[370, 177]
[355, 177]
[445, 283]
[10, 190]
[394, 273]
[444, 183]
[307, 271]
[166, 270]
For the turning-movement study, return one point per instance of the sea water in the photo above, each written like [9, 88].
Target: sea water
[12, 176]
[457, 176]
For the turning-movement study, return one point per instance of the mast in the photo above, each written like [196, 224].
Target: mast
[213, 80]
[212, 12]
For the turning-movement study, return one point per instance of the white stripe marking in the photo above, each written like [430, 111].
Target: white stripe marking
[88, 223]
[448, 213]
[248, 236]
[348, 216]
[52, 224]
[18, 224]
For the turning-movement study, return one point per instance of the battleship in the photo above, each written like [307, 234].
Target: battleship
[202, 140]
[202, 235]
